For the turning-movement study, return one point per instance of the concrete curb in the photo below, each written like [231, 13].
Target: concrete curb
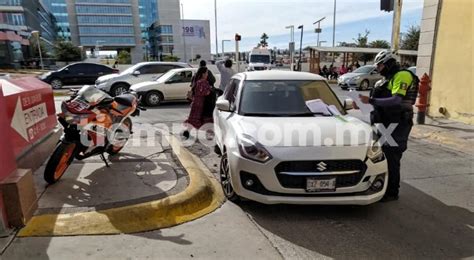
[201, 197]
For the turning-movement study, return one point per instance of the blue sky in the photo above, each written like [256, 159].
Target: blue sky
[251, 18]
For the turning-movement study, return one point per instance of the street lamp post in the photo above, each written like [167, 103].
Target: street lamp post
[301, 47]
[215, 24]
[223, 41]
[292, 43]
[39, 48]
[184, 33]
[318, 30]
[334, 30]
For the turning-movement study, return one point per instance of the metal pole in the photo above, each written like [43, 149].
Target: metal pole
[301, 48]
[397, 8]
[41, 56]
[334, 31]
[184, 34]
[215, 18]
[237, 58]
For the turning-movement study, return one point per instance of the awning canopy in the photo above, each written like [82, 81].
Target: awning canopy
[360, 50]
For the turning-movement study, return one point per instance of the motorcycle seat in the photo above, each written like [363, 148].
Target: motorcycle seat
[125, 99]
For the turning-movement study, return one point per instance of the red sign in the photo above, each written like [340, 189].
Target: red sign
[31, 113]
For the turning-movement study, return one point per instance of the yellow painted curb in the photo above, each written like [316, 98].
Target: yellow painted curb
[201, 197]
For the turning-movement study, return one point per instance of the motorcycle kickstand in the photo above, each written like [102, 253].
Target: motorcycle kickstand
[105, 160]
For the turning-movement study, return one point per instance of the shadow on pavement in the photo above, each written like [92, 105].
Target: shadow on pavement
[416, 226]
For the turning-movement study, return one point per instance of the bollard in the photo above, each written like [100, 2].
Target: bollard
[422, 103]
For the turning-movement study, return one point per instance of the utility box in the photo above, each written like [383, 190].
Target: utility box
[19, 197]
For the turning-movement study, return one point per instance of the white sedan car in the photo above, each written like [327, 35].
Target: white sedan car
[284, 137]
[173, 85]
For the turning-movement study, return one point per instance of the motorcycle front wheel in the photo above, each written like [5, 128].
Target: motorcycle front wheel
[59, 161]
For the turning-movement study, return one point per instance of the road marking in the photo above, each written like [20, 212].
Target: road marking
[202, 196]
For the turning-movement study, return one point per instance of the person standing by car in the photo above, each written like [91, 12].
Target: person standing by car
[393, 104]
[201, 89]
[225, 68]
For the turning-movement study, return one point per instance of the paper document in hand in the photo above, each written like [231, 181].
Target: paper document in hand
[364, 108]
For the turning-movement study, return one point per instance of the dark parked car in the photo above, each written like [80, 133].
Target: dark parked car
[76, 74]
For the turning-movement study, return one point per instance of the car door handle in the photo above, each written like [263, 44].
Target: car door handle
[80, 74]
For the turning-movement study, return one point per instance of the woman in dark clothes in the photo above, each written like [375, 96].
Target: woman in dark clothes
[198, 116]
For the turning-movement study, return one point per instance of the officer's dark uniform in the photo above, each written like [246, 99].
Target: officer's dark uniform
[404, 84]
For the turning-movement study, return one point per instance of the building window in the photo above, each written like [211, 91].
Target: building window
[95, 19]
[165, 29]
[104, 1]
[165, 39]
[10, 2]
[87, 9]
[167, 48]
[106, 30]
[12, 19]
[85, 40]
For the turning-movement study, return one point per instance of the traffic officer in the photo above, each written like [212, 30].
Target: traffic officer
[393, 102]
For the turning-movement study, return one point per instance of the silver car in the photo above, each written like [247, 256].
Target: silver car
[362, 78]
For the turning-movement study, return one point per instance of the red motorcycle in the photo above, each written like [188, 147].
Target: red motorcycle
[94, 123]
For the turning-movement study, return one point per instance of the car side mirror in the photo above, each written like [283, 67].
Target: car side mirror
[348, 104]
[136, 73]
[171, 81]
[223, 105]
[374, 72]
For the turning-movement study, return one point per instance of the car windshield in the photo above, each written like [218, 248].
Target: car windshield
[285, 98]
[364, 69]
[259, 58]
[166, 76]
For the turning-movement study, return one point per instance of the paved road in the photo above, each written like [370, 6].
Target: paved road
[433, 218]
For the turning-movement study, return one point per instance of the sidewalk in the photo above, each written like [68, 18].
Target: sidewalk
[445, 132]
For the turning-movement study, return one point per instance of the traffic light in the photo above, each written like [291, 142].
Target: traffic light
[238, 37]
[386, 5]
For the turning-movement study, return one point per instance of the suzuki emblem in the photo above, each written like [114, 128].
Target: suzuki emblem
[321, 166]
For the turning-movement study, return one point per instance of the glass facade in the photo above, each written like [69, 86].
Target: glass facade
[148, 13]
[98, 19]
[59, 9]
[10, 2]
[112, 30]
[17, 19]
[97, 9]
[104, 1]
[101, 40]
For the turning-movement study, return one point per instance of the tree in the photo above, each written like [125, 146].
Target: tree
[124, 57]
[263, 41]
[66, 51]
[411, 38]
[34, 46]
[362, 42]
[170, 58]
[382, 44]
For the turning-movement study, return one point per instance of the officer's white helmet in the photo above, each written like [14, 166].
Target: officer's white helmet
[384, 56]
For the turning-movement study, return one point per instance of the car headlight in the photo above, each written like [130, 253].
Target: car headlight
[375, 153]
[253, 150]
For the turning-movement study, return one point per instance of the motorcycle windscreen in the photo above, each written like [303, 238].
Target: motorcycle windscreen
[92, 95]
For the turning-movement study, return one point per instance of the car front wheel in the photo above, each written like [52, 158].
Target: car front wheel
[364, 85]
[153, 98]
[225, 180]
[118, 89]
[56, 84]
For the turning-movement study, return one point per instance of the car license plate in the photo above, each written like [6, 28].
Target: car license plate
[313, 185]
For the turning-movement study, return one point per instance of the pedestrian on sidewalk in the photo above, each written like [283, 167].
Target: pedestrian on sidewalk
[225, 68]
[201, 90]
[393, 104]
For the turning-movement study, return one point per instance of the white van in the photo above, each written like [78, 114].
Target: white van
[259, 59]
